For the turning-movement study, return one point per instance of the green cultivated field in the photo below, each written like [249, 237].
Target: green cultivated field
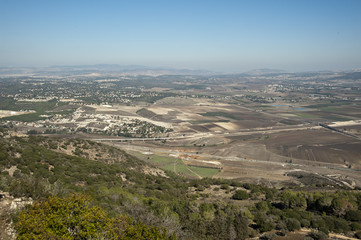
[176, 165]
[203, 171]
[40, 108]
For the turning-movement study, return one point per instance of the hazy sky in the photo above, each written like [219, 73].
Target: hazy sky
[219, 35]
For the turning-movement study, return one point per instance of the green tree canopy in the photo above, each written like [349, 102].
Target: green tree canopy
[240, 195]
[74, 217]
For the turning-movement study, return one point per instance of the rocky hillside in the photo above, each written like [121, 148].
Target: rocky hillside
[43, 169]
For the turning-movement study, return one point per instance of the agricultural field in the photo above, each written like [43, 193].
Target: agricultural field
[317, 146]
[176, 165]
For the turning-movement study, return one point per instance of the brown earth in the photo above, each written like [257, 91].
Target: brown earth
[317, 146]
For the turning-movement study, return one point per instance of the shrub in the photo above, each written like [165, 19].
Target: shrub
[200, 189]
[281, 225]
[293, 200]
[305, 223]
[355, 226]
[225, 186]
[318, 222]
[264, 223]
[324, 230]
[353, 215]
[269, 236]
[262, 206]
[269, 195]
[318, 235]
[240, 195]
[293, 224]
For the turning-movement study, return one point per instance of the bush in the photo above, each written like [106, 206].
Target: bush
[200, 188]
[225, 186]
[305, 223]
[240, 195]
[318, 235]
[324, 230]
[269, 195]
[293, 224]
[353, 215]
[293, 200]
[264, 223]
[318, 222]
[282, 227]
[269, 236]
[355, 226]
[262, 206]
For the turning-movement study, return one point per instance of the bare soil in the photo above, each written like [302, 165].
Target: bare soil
[317, 146]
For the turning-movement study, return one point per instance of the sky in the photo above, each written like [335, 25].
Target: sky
[224, 35]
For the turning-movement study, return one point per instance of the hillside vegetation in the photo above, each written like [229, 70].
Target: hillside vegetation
[127, 194]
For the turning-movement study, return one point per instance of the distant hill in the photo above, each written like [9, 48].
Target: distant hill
[350, 76]
[103, 69]
[264, 71]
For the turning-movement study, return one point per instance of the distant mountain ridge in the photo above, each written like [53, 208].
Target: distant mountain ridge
[138, 70]
[106, 68]
[263, 71]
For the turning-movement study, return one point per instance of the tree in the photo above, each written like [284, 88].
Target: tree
[241, 227]
[69, 218]
[125, 228]
[74, 217]
[293, 200]
[353, 215]
[293, 224]
[341, 206]
[264, 223]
